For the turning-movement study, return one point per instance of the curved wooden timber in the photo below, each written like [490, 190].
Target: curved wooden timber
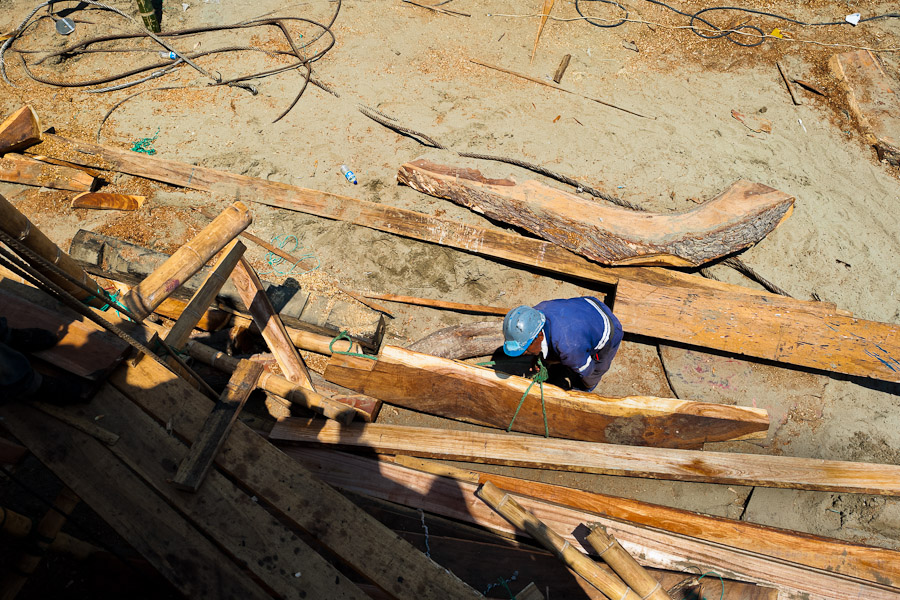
[473, 394]
[736, 219]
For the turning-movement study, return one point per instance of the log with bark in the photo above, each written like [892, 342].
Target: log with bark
[461, 341]
[732, 221]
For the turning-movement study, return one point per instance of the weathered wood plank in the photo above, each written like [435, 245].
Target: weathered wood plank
[736, 219]
[20, 130]
[196, 464]
[651, 547]
[297, 496]
[479, 395]
[16, 168]
[605, 459]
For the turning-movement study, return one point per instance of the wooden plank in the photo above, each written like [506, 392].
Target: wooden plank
[20, 130]
[736, 219]
[651, 547]
[204, 296]
[838, 556]
[459, 306]
[163, 536]
[270, 326]
[871, 99]
[293, 492]
[104, 201]
[605, 459]
[15, 168]
[483, 396]
[83, 349]
[196, 464]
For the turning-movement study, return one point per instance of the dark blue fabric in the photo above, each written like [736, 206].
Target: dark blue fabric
[573, 330]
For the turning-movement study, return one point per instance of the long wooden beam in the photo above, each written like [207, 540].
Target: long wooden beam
[605, 459]
[15, 168]
[474, 394]
[851, 346]
[651, 547]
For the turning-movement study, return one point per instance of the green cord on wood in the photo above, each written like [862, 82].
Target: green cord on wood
[722, 581]
[540, 377]
[345, 336]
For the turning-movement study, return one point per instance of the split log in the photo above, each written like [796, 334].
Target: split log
[604, 459]
[107, 201]
[461, 341]
[187, 260]
[871, 99]
[16, 168]
[483, 396]
[611, 551]
[651, 546]
[15, 224]
[736, 219]
[20, 130]
[377, 554]
[862, 360]
[524, 520]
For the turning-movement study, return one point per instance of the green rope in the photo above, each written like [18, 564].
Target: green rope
[540, 377]
[345, 336]
[143, 145]
[111, 299]
[720, 580]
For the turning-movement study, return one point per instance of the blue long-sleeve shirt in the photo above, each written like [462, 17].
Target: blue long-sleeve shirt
[583, 334]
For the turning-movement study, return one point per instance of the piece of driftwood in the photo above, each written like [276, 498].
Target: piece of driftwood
[651, 547]
[291, 490]
[633, 574]
[270, 326]
[480, 395]
[605, 459]
[561, 69]
[443, 304]
[20, 130]
[872, 100]
[197, 463]
[105, 201]
[736, 219]
[83, 348]
[187, 260]
[507, 507]
[817, 346]
[16, 168]
[17, 225]
[461, 341]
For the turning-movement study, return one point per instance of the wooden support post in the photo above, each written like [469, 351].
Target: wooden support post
[17, 225]
[269, 323]
[21, 130]
[611, 551]
[204, 296]
[522, 519]
[160, 284]
[47, 530]
[203, 452]
[279, 386]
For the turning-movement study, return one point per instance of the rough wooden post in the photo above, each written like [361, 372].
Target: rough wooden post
[187, 260]
[620, 561]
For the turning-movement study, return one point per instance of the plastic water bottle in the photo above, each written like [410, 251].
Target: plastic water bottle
[169, 55]
[348, 174]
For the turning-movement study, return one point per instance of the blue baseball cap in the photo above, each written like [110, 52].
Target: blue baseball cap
[520, 327]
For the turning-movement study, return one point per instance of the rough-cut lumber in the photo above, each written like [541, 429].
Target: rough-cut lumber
[871, 99]
[611, 551]
[105, 201]
[270, 326]
[605, 459]
[853, 359]
[506, 506]
[855, 560]
[16, 168]
[651, 547]
[480, 395]
[461, 341]
[17, 225]
[83, 349]
[376, 553]
[20, 130]
[204, 296]
[281, 387]
[187, 260]
[735, 219]
[165, 538]
[196, 464]
[472, 308]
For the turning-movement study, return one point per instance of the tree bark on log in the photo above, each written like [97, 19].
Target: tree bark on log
[735, 219]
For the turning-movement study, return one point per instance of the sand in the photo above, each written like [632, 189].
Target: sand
[414, 65]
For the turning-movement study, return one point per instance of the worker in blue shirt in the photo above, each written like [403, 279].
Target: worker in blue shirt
[582, 334]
